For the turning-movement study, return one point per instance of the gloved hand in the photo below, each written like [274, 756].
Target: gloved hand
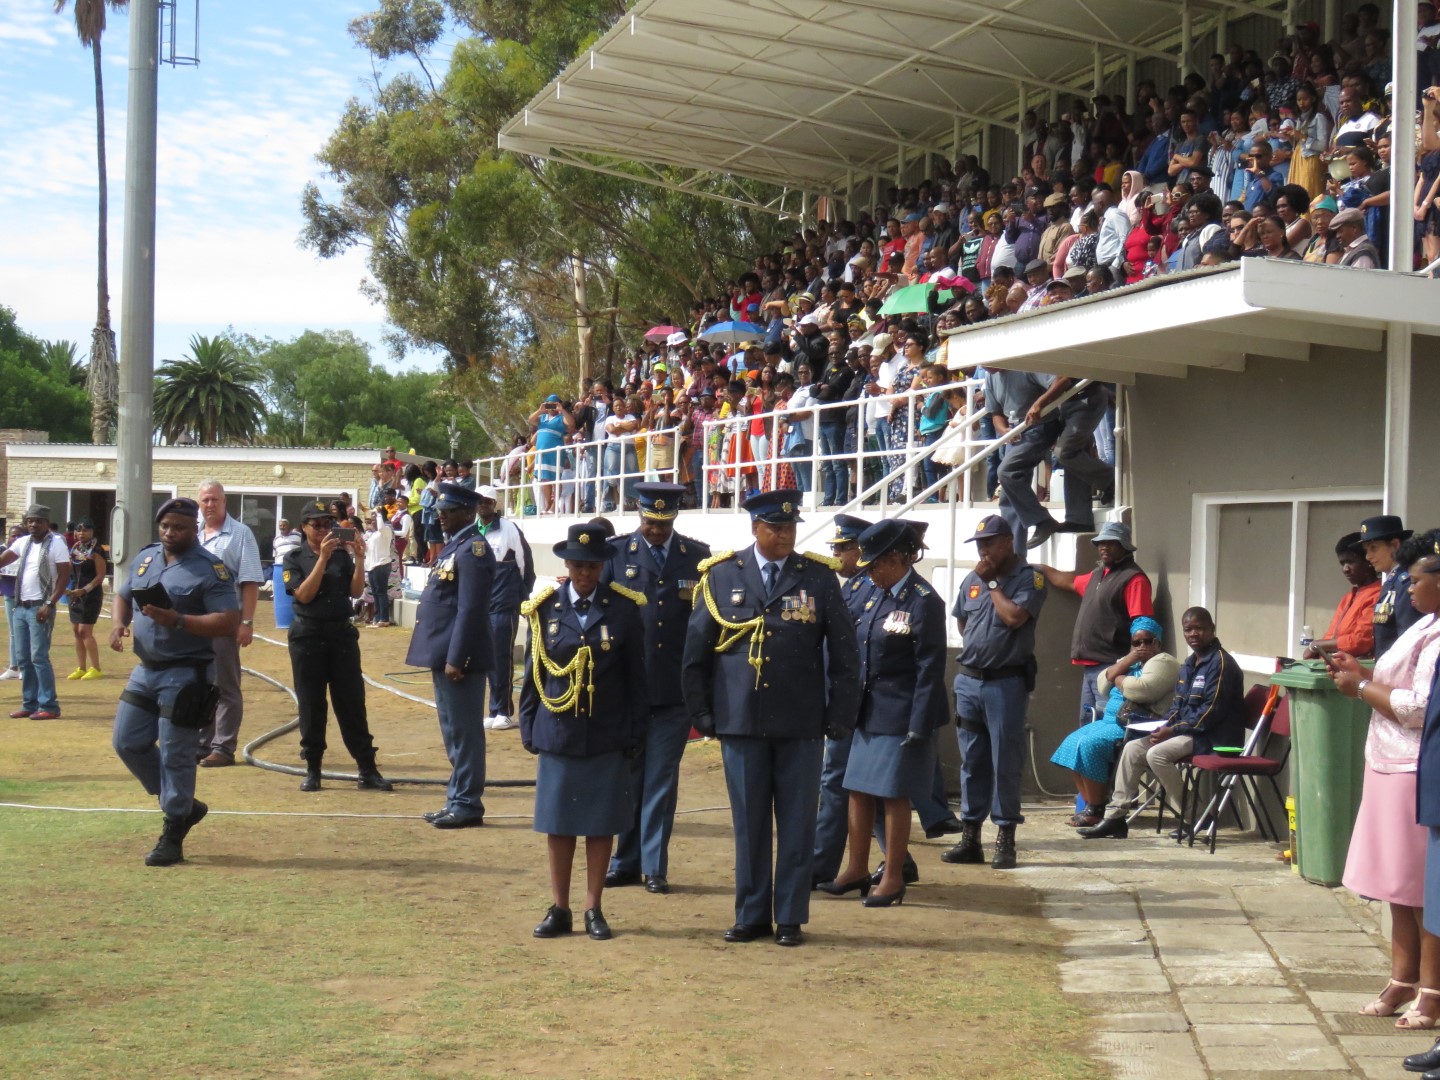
[912, 739]
[530, 749]
[704, 723]
[631, 752]
[835, 731]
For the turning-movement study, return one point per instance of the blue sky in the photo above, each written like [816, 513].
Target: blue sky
[238, 137]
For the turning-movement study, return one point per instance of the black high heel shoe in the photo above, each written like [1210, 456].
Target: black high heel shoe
[834, 888]
[894, 899]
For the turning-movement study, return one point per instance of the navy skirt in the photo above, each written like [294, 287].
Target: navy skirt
[879, 766]
[584, 796]
[1432, 882]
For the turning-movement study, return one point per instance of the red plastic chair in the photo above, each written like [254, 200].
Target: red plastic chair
[1244, 773]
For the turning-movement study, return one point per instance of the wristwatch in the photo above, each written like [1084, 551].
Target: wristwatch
[247, 622]
[993, 584]
[1360, 687]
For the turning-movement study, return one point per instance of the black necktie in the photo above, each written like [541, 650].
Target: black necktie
[583, 605]
[768, 572]
[659, 555]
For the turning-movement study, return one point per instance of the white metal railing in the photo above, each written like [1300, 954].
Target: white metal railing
[720, 462]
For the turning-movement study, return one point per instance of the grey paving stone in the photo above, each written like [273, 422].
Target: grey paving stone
[1249, 1013]
[1277, 1060]
[1143, 1021]
[1344, 982]
[1352, 1023]
[1150, 1056]
[1227, 995]
[1340, 1001]
[1395, 1045]
[1306, 940]
[1226, 976]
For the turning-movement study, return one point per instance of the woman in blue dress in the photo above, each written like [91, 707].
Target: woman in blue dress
[553, 422]
[1136, 687]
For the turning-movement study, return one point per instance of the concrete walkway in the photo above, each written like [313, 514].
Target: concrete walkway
[1214, 966]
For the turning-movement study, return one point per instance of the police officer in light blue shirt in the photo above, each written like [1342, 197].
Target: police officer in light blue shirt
[452, 639]
[186, 600]
[996, 610]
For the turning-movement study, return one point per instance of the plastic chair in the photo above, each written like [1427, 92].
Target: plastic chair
[1243, 774]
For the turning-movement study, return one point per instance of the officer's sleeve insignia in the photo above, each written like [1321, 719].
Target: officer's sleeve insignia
[286, 576]
[824, 560]
[220, 571]
[714, 560]
[529, 606]
[477, 548]
[629, 594]
[1039, 580]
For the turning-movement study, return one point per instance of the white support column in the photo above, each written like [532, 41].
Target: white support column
[1187, 39]
[1330, 20]
[900, 165]
[984, 154]
[804, 208]
[1024, 104]
[1097, 71]
[874, 192]
[1291, 20]
[955, 140]
[1053, 110]
[1130, 82]
[850, 194]
[1402, 138]
[1222, 32]
[925, 171]
[1397, 418]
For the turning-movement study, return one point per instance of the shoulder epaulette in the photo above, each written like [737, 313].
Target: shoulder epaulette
[629, 594]
[714, 560]
[923, 590]
[529, 606]
[824, 560]
[701, 544]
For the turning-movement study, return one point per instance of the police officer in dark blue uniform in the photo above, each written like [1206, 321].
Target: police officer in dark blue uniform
[664, 566]
[832, 824]
[584, 707]
[1381, 537]
[185, 599]
[771, 667]
[901, 633]
[996, 610]
[325, 646]
[452, 639]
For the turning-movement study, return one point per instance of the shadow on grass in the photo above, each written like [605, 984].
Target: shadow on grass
[21, 1008]
[407, 867]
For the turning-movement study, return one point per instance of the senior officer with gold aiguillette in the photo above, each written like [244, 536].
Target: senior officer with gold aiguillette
[663, 565]
[452, 639]
[771, 667]
[583, 710]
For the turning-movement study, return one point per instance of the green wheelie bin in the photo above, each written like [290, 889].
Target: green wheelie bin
[1327, 768]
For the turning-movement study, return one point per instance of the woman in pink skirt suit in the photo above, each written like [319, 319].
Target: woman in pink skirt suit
[1386, 860]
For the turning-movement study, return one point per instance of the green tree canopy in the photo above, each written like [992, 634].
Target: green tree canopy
[209, 396]
[34, 392]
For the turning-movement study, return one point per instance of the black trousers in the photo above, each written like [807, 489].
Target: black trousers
[327, 657]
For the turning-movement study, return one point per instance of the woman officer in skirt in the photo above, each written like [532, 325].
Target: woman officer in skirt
[583, 709]
[901, 632]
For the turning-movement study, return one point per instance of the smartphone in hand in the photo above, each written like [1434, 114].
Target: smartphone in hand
[344, 535]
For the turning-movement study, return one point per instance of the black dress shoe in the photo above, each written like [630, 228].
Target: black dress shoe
[451, 820]
[1042, 532]
[431, 815]
[910, 873]
[596, 926]
[894, 899]
[657, 884]
[743, 932]
[948, 827]
[1426, 1062]
[1430, 1074]
[371, 780]
[786, 934]
[837, 888]
[311, 782]
[1112, 828]
[557, 921]
[617, 879]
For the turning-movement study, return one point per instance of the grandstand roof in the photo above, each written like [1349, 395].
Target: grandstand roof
[811, 94]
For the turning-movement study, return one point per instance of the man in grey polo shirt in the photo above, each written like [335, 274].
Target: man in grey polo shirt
[233, 544]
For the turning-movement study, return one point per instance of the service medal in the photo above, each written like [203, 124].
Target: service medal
[604, 638]
[737, 597]
[631, 571]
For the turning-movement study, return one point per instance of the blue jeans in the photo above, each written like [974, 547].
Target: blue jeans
[645, 846]
[462, 726]
[835, 468]
[801, 468]
[380, 591]
[991, 734]
[1092, 705]
[10, 624]
[929, 464]
[159, 754]
[37, 677]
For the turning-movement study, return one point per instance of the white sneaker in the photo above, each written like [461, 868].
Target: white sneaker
[501, 723]
[10, 673]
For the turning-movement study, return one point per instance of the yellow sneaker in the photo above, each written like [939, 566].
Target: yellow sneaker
[93, 673]
[78, 673]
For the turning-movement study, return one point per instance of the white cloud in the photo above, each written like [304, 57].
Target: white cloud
[32, 24]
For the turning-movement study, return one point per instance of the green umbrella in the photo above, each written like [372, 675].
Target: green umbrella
[912, 299]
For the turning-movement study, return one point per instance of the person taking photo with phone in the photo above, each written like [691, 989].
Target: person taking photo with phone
[323, 575]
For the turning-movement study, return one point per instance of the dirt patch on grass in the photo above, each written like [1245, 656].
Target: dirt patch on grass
[376, 945]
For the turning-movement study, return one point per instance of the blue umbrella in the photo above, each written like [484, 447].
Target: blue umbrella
[733, 332]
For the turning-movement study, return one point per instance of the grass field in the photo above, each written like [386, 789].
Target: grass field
[377, 946]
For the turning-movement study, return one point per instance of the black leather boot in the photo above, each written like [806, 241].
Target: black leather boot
[371, 780]
[1004, 858]
[312, 777]
[169, 849]
[969, 849]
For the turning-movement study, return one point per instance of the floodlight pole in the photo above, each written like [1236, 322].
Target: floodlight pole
[130, 526]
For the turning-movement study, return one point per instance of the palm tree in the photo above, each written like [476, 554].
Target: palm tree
[104, 380]
[61, 360]
[209, 396]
